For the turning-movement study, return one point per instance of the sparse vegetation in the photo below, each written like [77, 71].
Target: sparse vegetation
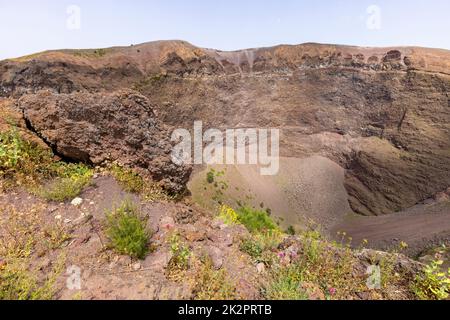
[132, 181]
[26, 164]
[291, 231]
[210, 177]
[18, 283]
[314, 264]
[126, 230]
[256, 221]
[21, 161]
[128, 179]
[433, 284]
[95, 53]
[213, 284]
[258, 244]
[252, 248]
[149, 81]
[181, 254]
[285, 284]
[26, 234]
[63, 189]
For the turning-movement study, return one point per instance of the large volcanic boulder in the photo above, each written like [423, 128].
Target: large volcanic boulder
[119, 126]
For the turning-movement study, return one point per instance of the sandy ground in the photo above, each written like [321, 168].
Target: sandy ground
[421, 227]
[303, 190]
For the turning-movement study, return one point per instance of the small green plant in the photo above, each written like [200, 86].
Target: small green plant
[291, 231]
[133, 182]
[180, 254]
[433, 284]
[126, 230]
[256, 220]
[16, 283]
[70, 182]
[210, 177]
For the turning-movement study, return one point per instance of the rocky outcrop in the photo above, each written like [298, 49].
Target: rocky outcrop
[94, 128]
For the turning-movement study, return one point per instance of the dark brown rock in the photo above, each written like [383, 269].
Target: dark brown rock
[119, 126]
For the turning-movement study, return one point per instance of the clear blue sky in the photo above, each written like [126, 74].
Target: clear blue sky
[28, 26]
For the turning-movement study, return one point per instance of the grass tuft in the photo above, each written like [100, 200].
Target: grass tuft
[127, 232]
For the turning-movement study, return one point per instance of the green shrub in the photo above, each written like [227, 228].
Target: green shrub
[71, 170]
[70, 181]
[291, 231]
[433, 284]
[210, 177]
[228, 215]
[126, 230]
[256, 220]
[133, 182]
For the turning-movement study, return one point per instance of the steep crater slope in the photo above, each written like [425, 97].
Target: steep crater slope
[382, 114]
